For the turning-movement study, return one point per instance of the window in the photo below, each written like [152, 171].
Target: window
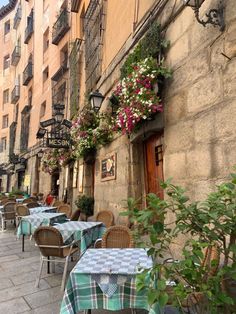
[5, 121]
[6, 62]
[46, 40]
[42, 109]
[64, 56]
[5, 96]
[3, 144]
[30, 97]
[45, 74]
[7, 27]
[94, 24]
[82, 22]
[16, 111]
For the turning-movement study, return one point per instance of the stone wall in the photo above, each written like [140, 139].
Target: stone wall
[200, 103]
[200, 107]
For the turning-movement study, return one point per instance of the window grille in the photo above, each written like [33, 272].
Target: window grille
[3, 144]
[6, 62]
[25, 123]
[12, 138]
[93, 32]
[7, 27]
[5, 96]
[75, 63]
[5, 121]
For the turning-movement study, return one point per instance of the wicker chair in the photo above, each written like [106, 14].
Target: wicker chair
[107, 217]
[8, 213]
[5, 200]
[56, 203]
[27, 201]
[32, 205]
[22, 210]
[50, 242]
[117, 237]
[75, 215]
[66, 209]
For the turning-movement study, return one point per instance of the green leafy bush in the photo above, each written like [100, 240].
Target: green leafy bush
[207, 224]
[85, 204]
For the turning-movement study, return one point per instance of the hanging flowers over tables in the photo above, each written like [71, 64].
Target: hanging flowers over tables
[55, 158]
[137, 96]
[88, 131]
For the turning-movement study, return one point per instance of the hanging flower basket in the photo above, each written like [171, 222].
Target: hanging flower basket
[138, 95]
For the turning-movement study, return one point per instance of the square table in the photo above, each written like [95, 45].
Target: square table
[28, 224]
[85, 232]
[42, 209]
[106, 279]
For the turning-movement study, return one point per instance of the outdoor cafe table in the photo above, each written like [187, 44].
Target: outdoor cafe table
[42, 209]
[85, 232]
[28, 224]
[106, 279]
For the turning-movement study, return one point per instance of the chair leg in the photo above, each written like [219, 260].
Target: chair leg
[53, 265]
[40, 272]
[2, 223]
[64, 274]
[133, 311]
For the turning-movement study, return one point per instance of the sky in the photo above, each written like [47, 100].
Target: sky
[3, 2]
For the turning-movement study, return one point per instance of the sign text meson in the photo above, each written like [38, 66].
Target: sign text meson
[58, 143]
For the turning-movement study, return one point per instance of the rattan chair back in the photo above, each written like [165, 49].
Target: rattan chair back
[4, 201]
[32, 205]
[27, 201]
[117, 237]
[22, 210]
[75, 215]
[107, 217]
[65, 208]
[9, 211]
[57, 203]
[49, 236]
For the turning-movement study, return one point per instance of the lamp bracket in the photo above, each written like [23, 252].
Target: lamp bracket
[214, 17]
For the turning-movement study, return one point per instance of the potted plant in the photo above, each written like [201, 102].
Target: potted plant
[205, 225]
[86, 206]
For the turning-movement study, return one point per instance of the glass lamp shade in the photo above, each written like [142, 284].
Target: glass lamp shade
[41, 132]
[96, 99]
[40, 154]
[59, 116]
[194, 3]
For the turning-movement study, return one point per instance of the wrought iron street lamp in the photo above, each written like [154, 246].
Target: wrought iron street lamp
[40, 154]
[96, 99]
[41, 132]
[214, 16]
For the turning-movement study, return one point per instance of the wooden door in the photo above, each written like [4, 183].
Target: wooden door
[154, 164]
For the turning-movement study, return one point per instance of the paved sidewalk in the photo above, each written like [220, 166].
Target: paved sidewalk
[18, 272]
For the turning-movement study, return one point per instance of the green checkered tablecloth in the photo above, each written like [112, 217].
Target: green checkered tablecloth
[85, 232]
[42, 209]
[83, 292]
[28, 224]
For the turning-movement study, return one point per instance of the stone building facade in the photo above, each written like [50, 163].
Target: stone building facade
[196, 132]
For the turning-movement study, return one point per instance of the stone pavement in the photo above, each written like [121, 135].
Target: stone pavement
[18, 272]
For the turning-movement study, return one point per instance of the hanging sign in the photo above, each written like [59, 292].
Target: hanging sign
[108, 168]
[57, 143]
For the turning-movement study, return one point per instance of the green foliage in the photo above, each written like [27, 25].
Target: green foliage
[150, 46]
[207, 224]
[85, 204]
